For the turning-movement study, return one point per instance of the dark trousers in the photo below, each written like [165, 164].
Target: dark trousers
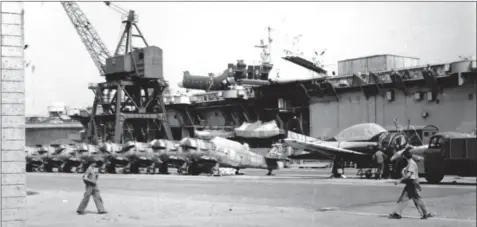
[411, 192]
[91, 190]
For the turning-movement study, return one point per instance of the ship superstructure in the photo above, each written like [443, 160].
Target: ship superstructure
[244, 103]
[56, 128]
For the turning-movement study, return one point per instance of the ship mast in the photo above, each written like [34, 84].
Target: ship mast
[265, 56]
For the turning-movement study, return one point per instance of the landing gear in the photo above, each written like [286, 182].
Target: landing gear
[48, 167]
[270, 172]
[193, 169]
[29, 167]
[152, 169]
[182, 169]
[65, 168]
[164, 169]
[215, 171]
[80, 169]
[110, 168]
[238, 173]
[133, 168]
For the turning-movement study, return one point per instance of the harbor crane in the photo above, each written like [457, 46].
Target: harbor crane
[131, 100]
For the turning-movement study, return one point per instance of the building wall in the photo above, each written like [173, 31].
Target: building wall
[328, 117]
[13, 194]
[211, 116]
[43, 136]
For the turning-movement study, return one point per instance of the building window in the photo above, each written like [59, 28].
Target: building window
[470, 96]
[426, 134]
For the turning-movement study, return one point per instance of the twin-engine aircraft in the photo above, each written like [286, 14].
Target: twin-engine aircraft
[62, 157]
[168, 154]
[191, 156]
[34, 158]
[356, 143]
[208, 155]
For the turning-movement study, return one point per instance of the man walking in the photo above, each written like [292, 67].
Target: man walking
[411, 190]
[90, 179]
[379, 156]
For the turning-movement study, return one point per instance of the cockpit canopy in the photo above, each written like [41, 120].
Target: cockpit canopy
[360, 132]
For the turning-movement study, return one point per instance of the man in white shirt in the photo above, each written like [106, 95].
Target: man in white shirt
[410, 176]
[90, 179]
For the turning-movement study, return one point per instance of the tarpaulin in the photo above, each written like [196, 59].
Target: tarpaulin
[258, 130]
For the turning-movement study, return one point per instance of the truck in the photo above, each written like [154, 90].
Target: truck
[448, 153]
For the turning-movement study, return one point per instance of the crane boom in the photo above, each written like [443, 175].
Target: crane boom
[90, 38]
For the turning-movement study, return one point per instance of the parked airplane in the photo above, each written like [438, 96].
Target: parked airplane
[63, 157]
[356, 143]
[131, 156]
[88, 153]
[167, 154]
[34, 158]
[207, 156]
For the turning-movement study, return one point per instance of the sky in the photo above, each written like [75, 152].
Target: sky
[205, 37]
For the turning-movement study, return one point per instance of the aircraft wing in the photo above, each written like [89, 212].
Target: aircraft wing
[321, 148]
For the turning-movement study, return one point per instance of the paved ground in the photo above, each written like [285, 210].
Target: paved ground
[290, 198]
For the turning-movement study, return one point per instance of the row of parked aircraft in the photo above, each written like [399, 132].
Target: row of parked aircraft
[198, 155]
[190, 156]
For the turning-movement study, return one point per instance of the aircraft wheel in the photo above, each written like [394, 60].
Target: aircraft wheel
[164, 169]
[66, 168]
[29, 168]
[110, 168]
[134, 169]
[182, 170]
[79, 169]
[434, 178]
[48, 168]
[193, 169]
[269, 172]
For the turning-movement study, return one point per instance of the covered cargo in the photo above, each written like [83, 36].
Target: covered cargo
[375, 63]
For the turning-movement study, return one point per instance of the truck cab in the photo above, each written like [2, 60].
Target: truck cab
[449, 153]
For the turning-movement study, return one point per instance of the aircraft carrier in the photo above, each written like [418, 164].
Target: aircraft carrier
[382, 89]
[55, 128]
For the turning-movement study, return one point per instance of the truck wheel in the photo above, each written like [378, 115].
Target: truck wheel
[434, 178]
